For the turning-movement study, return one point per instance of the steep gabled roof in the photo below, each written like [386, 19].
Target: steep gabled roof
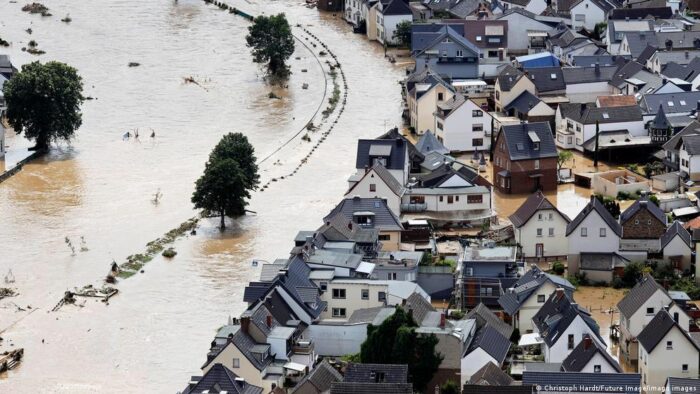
[321, 377]
[625, 72]
[447, 31]
[639, 294]
[594, 205]
[683, 385]
[547, 79]
[654, 332]
[520, 144]
[676, 229]
[583, 353]
[371, 388]
[397, 7]
[485, 316]
[429, 143]
[384, 174]
[394, 151]
[640, 13]
[674, 143]
[383, 218]
[643, 204]
[508, 77]
[524, 103]
[491, 375]
[366, 373]
[535, 202]
[557, 314]
[220, 379]
[527, 285]
[491, 341]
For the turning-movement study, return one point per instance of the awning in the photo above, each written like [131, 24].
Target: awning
[295, 366]
[365, 268]
[531, 33]
[686, 211]
[530, 339]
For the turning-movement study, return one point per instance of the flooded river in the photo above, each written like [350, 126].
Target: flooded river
[156, 332]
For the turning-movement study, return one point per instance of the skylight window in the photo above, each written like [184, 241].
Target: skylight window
[606, 115]
[682, 102]
[670, 103]
[553, 76]
[520, 146]
[478, 38]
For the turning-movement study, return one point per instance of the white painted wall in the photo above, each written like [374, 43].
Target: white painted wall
[389, 27]
[676, 247]
[337, 340]
[353, 297]
[362, 189]
[661, 363]
[518, 25]
[587, 92]
[531, 306]
[592, 13]
[559, 350]
[593, 242]
[545, 220]
[598, 359]
[641, 318]
[474, 361]
[456, 131]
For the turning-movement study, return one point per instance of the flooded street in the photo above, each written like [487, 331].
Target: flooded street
[156, 332]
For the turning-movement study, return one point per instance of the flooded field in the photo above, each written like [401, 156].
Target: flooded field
[155, 333]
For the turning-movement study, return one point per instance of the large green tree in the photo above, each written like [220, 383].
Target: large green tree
[402, 34]
[229, 175]
[395, 341]
[272, 42]
[43, 101]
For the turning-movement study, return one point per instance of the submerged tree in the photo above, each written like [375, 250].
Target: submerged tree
[229, 176]
[402, 34]
[395, 341]
[272, 42]
[43, 101]
[563, 157]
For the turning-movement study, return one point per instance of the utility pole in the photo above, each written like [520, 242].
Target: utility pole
[595, 153]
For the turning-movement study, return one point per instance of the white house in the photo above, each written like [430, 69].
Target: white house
[462, 125]
[588, 13]
[487, 346]
[677, 247]
[535, 7]
[425, 91]
[378, 182]
[593, 230]
[528, 295]
[666, 349]
[540, 228]
[560, 336]
[523, 27]
[637, 309]
[345, 296]
[589, 357]
[389, 15]
[576, 126]
[689, 154]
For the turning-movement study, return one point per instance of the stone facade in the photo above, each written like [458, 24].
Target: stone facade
[643, 225]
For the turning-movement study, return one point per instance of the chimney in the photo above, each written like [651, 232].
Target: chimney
[410, 313]
[245, 323]
[269, 321]
[560, 293]
[597, 68]
[366, 169]
[587, 342]
[442, 320]
[350, 225]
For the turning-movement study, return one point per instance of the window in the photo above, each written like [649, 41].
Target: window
[392, 276]
[460, 53]
[456, 198]
[682, 102]
[636, 221]
[669, 345]
[339, 294]
[685, 368]
[539, 216]
[441, 197]
[469, 271]
[536, 146]
[539, 232]
[602, 232]
[324, 286]
[596, 368]
[365, 294]
[450, 199]
[650, 311]
[381, 296]
[570, 342]
[444, 53]
[479, 38]
[584, 232]
[537, 164]
[494, 40]
[441, 96]
[540, 298]
[477, 127]
[439, 126]
[551, 231]
[384, 237]
[373, 187]
[477, 113]
[236, 363]
[551, 216]
[338, 312]
[493, 53]
[580, 17]
[478, 142]
[475, 199]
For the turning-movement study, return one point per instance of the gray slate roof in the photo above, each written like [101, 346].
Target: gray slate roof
[534, 203]
[643, 204]
[594, 205]
[676, 229]
[419, 307]
[625, 72]
[491, 375]
[639, 40]
[384, 218]
[485, 316]
[508, 77]
[602, 261]
[218, 379]
[691, 144]
[557, 314]
[639, 294]
[577, 75]
[371, 388]
[590, 114]
[492, 342]
[321, 378]
[525, 102]
[683, 385]
[397, 7]
[583, 353]
[547, 79]
[582, 382]
[679, 102]
[527, 285]
[654, 332]
[521, 147]
[395, 159]
[362, 373]
[674, 143]
[429, 143]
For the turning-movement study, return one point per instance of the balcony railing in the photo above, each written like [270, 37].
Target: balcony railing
[413, 208]
[303, 347]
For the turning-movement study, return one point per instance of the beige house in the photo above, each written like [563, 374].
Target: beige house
[666, 349]
[345, 296]
[424, 95]
[510, 84]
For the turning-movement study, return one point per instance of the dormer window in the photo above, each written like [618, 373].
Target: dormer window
[536, 146]
[479, 38]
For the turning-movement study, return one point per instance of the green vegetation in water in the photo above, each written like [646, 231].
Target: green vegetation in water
[135, 262]
[169, 253]
[36, 8]
[335, 97]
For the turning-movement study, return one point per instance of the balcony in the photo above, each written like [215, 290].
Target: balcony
[303, 347]
[414, 208]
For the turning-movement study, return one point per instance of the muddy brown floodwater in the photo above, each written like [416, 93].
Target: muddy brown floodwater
[156, 332]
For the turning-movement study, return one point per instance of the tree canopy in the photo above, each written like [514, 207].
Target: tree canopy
[229, 175]
[43, 101]
[402, 34]
[395, 341]
[272, 42]
[563, 157]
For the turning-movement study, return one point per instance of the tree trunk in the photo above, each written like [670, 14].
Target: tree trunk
[595, 153]
[223, 224]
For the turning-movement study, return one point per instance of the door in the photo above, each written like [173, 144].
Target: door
[539, 250]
